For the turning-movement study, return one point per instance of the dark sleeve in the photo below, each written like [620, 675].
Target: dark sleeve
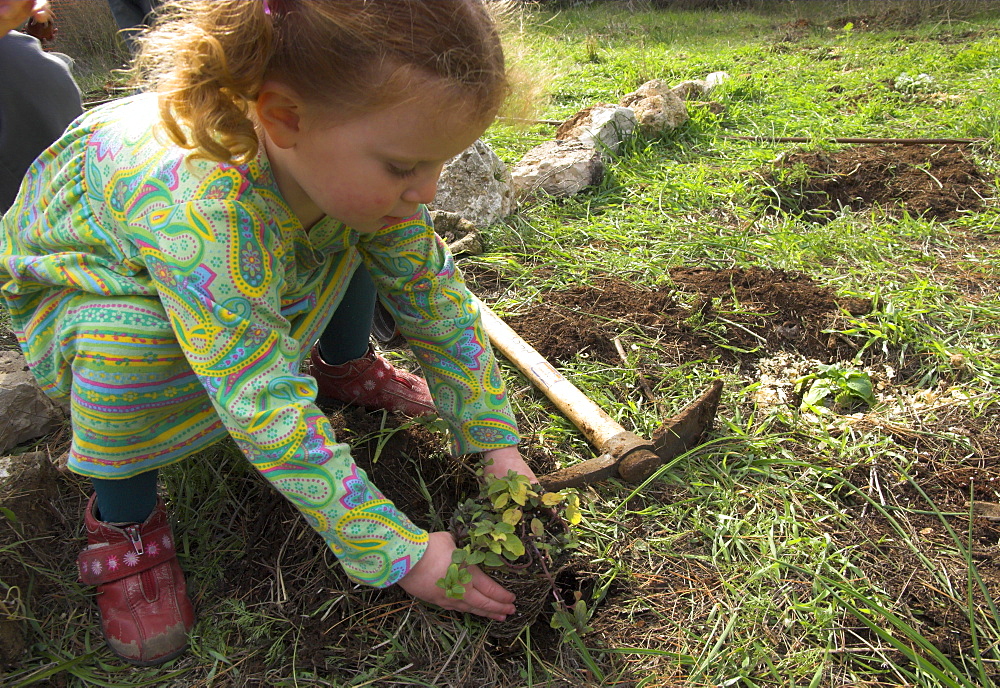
[38, 100]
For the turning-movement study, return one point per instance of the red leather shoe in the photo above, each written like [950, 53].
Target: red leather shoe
[372, 382]
[145, 611]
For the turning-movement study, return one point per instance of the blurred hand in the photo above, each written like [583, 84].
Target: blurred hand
[13, 13]
[483, 596]
[507, 459]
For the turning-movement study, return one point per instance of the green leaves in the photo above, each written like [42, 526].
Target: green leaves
[512, 522]
[833, 388]
[455, 579]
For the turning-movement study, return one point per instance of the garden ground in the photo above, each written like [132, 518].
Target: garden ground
[825, 540]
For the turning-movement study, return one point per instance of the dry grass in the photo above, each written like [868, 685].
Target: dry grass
[88, 34]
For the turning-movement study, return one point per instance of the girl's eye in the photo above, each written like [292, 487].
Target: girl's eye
[402, 173]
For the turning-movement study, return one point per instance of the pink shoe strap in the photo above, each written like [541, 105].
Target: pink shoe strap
[138, 552]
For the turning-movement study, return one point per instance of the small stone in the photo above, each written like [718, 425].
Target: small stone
[658, 114]
[27, 413]
[559, 168]
[693, 88]
[714, 80]
[461, 235]
[477, 185]
[653, 87]
[604, 127]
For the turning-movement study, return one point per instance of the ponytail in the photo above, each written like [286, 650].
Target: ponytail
[206, 60]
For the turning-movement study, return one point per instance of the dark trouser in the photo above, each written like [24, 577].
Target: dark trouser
[345, 338]
[132, 16]
[130, 500]
[38, 99]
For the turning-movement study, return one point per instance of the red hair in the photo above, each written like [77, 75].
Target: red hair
[208, 58]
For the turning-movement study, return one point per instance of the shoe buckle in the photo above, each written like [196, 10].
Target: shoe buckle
[133, 534]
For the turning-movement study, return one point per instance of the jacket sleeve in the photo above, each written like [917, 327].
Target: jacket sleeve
[217, 267]
[419, 283]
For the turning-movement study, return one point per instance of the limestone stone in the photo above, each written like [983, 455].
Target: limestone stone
[693, 88]
[477, 185]
[558, 168]
[603, 126]
[653, 87]
[26, 412]
[461, 235]
[714, 80]
[659, 113]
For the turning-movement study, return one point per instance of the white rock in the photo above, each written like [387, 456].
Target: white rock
[26, 412]
[604, 127]
[693, 88]
[714, 80]
[477, 185]
[657, 114]
[653, 87]
[559, 168]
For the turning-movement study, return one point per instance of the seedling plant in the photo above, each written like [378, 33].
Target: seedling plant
[511, 526]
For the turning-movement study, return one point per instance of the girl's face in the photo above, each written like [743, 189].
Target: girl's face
[373, 170]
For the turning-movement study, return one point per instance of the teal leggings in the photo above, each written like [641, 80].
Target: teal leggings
[346, 335]
[345, 338]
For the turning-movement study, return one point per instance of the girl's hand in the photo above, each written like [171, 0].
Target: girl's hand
[483, 596]
[507, 459]
[13, 13]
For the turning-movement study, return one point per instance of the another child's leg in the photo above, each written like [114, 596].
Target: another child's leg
[348, 370]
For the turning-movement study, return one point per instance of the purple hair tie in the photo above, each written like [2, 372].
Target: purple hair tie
[274, 7]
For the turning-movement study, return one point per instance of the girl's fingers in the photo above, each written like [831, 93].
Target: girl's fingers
[489, 587]
[478, 603]
[486, 597]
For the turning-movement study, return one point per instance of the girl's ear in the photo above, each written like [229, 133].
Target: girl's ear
[279, 111]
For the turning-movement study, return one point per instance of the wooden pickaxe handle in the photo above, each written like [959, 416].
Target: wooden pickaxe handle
[623, 453]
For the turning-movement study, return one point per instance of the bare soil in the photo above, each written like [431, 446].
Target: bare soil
[941, 182]
[737, 314]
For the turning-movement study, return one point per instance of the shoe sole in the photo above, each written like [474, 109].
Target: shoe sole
[139, 663]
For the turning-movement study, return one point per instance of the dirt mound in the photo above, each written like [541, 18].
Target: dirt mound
[794, 30]
[937, 181]
[888, 16]
[741, 313]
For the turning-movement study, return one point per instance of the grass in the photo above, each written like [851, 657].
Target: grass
[793, 548]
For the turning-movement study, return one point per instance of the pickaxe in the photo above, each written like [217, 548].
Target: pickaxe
[623, 453]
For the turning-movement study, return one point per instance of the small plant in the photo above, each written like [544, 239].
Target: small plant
[913, 83]
[833, 388]
[512, 526]
[592, 45]
[573, 617]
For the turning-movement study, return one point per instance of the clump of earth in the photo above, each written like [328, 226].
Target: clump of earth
[941, 182]
[764, 310]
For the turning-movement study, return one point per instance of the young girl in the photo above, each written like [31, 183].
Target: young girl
[170, 261]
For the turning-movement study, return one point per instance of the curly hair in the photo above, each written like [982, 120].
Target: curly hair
[207, 59]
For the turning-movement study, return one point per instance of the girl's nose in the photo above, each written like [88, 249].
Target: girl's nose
[423, 188]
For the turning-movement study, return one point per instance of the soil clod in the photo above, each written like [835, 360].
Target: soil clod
[941, 182]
